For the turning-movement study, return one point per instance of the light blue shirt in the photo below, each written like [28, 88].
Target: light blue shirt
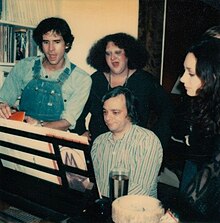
[139, 150]
[75, 89]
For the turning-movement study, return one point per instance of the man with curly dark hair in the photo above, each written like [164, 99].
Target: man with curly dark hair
[119, 60]
[52, 90]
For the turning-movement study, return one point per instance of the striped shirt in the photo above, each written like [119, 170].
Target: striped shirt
[139, 150]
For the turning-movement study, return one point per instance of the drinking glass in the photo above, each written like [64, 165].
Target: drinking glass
[118, 182]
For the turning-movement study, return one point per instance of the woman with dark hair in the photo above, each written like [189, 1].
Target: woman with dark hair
[119, 60]
[200, 186]
[53, 90]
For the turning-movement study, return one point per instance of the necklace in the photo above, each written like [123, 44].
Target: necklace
[110, 80]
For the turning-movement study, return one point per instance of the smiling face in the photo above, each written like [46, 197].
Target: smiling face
[191, 81]
[116, 59]
[116, 115]
[53, 47]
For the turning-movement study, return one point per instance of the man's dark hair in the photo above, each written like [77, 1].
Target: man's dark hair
[56, 25]
[129, 98]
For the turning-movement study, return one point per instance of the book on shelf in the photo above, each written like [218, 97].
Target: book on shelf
[1, 44]
[0, 9]
[5, 46]
[21, 43]
[16, 43]
[33, 48]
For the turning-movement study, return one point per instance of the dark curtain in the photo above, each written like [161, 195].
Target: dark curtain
[186, 20]
[150, 31]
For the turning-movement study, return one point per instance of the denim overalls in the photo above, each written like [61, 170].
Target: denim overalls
[42, 99]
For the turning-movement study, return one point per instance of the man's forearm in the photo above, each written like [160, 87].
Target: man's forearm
[60, 125]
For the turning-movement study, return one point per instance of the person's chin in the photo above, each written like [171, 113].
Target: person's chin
[110, 127]
[191, 94]
[53, 62]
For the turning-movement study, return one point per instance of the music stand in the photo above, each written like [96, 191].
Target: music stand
[45, 172]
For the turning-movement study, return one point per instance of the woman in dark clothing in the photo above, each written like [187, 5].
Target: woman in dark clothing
[119, 60]
[200, 187]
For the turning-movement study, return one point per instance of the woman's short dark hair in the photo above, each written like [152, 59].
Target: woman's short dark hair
[129, 98]
[57, 25]
[134, 50]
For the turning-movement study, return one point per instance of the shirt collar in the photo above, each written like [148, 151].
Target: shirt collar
[125, 136]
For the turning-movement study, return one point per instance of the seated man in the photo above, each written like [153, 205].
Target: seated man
[127, 145]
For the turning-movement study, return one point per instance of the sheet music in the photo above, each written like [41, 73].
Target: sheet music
[70, 156]
[44, 131]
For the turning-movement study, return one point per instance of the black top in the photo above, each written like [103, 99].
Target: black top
[150, 97]
[194, 145]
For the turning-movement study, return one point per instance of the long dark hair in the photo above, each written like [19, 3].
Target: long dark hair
[129, 98]
[57, 25]
[134, 50]
[206, 106]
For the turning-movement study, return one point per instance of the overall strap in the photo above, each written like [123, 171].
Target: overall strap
[66, 73]
[36, 69]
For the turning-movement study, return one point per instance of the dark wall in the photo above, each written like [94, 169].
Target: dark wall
[186, 20]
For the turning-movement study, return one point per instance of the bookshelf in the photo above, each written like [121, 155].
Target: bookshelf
[15, 44]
